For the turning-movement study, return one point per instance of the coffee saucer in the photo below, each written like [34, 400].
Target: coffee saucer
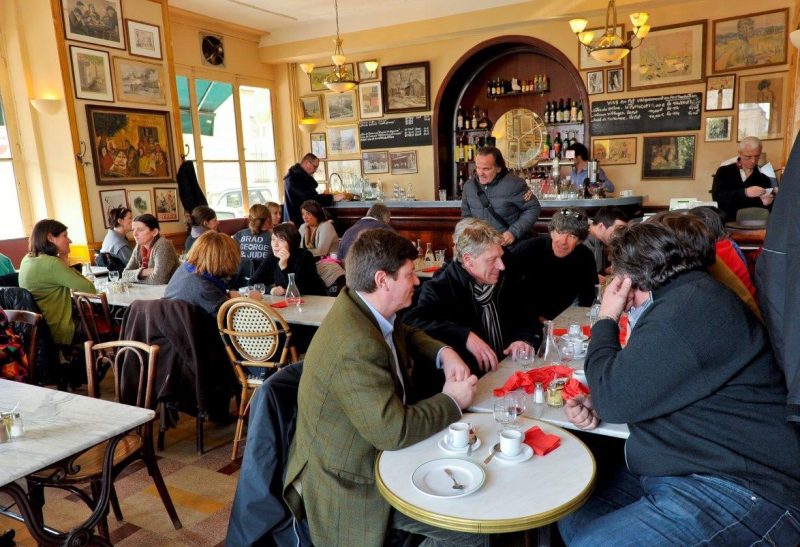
[524, 455]
[445, 445]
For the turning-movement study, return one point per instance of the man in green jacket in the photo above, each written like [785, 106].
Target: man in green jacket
[355, 398]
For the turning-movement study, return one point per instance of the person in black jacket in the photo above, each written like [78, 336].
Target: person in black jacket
[740, 184]
[300, 185]
[288, 258]
[474, 303]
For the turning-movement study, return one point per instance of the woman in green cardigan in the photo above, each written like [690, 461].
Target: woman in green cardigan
[46, 273]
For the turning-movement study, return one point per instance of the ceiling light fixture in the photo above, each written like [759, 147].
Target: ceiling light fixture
[340, 80]
[611, 46]
[372, 66]
[307, 67]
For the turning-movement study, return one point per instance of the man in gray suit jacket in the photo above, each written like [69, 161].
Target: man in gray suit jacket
[355, 399]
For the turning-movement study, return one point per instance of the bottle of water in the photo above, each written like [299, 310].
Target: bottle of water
[430, 260]
[293, 293]
[548, 353]
[594, 311]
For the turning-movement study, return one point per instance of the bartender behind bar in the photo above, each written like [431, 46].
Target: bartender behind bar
[581, 171]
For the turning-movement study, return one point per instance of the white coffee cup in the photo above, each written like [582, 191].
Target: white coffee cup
[580, 347]
[510, 442]
[459, 434]
[574, 330]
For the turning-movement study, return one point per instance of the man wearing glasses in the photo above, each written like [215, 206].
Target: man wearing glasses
[300, 185]
[740, 184]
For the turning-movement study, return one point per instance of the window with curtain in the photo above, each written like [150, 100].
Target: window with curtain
[11, 227]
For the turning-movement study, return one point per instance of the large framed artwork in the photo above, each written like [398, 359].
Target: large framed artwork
[166, 204]
[586, 61]
[340, 107]
[97, 22]
[762, 102]
[406, 88]
[671, 55]
[669, 157]
[342, 140]
[720, 92]
[750, 41]
[111, 199]
[144, 40]
[370, 102]
[91, 74]
[130, 146]
[616, 151]
[139, 81]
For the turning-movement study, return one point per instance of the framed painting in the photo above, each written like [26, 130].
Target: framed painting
[130, 146]
[111, 199]
[762, 102]
[317, 76]
[344, 168]
[365, 74]
[139, 81]
[340, 107]
[374, 162]
[668, 157]
[144, 40]
[620, 151]
[720, 92]
[311, 106]
[403, 163]
[321, 176]
[719, 128]
[91, 74]
[319, 146]
[141, 202]
[406, 88]
[614, 80]
[750, 41]
[343, 140]
[594, 82]
[671, 55]
[166, 201]
[586, 61]
[370, 102]
[96, 22]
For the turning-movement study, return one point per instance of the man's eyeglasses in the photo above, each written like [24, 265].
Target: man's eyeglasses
[572, 213]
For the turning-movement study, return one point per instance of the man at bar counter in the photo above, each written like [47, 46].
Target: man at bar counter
[580, 171]
[474, 304]
[355, 398]
[300, 185]
[741, 184]
[606, 222]
[710, 459]
[495, 195]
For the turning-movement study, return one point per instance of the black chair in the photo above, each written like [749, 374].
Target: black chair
[109, 261]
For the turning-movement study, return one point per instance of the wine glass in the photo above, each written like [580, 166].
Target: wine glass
[260, 288]
[515, 401]
[504, 413]
[113, 276]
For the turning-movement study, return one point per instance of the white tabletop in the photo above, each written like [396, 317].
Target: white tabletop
[577, 314]
[514, 497]
[311, 312]
[57, 425]
[135, 291]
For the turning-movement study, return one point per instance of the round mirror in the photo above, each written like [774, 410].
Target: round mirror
[519, 134]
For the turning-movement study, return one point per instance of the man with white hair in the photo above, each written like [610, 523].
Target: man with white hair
[740, 184]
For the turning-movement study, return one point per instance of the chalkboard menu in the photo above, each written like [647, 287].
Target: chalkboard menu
[395, 132]
[647, 114]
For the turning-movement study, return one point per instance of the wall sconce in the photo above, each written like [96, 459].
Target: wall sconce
[372, 66]
[307, 67]
[794, 36]
[46, 106]
[307, 125]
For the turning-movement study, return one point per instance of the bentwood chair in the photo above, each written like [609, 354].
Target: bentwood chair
[253, 333]
[26, 324]
[134, 367]
[95, 316]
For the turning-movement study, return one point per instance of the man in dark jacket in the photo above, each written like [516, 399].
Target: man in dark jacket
[378, 216]
[300, 185]
[474, 305]
[740, 184]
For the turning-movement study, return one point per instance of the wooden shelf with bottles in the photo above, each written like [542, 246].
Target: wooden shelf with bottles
[517, 94]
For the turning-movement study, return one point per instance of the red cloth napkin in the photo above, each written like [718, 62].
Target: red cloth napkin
[430, 269]
[573, 388]
[528, 380]
[283, 304]
[585, 329]
[541, 442]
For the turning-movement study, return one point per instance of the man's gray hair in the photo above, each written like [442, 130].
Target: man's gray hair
[473, 236]
[750, 143]
[381, 212]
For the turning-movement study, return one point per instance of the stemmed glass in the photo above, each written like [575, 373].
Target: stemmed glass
[504, 413]
[113, 276]
[516, 403]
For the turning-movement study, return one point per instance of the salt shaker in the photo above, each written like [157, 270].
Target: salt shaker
[538, 401]
[15, 428]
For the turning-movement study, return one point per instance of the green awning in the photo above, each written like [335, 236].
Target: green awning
[210, 95]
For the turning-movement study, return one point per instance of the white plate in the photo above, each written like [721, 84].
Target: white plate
[523, 456]
[447, 447]
[431, 479]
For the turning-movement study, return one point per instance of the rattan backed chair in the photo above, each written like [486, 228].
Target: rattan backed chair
[256, 340]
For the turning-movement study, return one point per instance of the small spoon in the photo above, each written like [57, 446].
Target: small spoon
[456, 484]
[495, 449]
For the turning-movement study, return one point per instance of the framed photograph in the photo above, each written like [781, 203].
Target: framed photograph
[91, 74]
[586, 61]
[139, 81]
[406, 88]
[96, 22]
[718, 128]
[345, 168]
[144, 40]
[340, 107]
[166, 204]
[141, 202]
[762, 102]
[311, 106]
[670, 55]
[317, 76]
[594, 82]
[111, 199]
[130, 146]
[374, 162]
[342, 140]
[720, 91]
[364, 74]
[668, 157]
[370, 102]
[619, 151]
[614, 80]
[403, 163]
[321, 176]
[750, 41]
[319, 146]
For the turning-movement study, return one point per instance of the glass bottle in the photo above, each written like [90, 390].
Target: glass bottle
[429, 257]
[292, 293]
[460, 119]
[594, 311]
[420, 260]
[548, 353]
[87, 272]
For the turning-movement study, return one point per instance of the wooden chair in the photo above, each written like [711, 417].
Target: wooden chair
[253, 332]
[134, 366]
[95, 316]
[26, 324]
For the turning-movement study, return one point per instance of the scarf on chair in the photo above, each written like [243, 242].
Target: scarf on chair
[490, 320]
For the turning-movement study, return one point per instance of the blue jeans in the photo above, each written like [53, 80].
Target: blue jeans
[691, 510]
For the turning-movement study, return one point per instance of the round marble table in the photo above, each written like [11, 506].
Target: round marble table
[513, 497]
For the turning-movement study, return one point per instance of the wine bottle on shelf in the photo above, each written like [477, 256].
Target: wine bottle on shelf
[489, 89]
[459, 118]
[565, 112]
[546, 146]
[474, 117]
[471, 150]
[557, 143]
[546, 115]
[484, 122]
[573, 112]
[579, 116]
[560, 111]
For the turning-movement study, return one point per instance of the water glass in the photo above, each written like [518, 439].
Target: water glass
[516, 404]
[442, 195]
[113, 276]
[245, 291]
[503, 413]
[260, 288]
[439, 256]
[523, 356]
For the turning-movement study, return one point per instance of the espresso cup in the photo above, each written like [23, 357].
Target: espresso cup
[580, 347]
[510, 442]
[458, 435]
[574, 330]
